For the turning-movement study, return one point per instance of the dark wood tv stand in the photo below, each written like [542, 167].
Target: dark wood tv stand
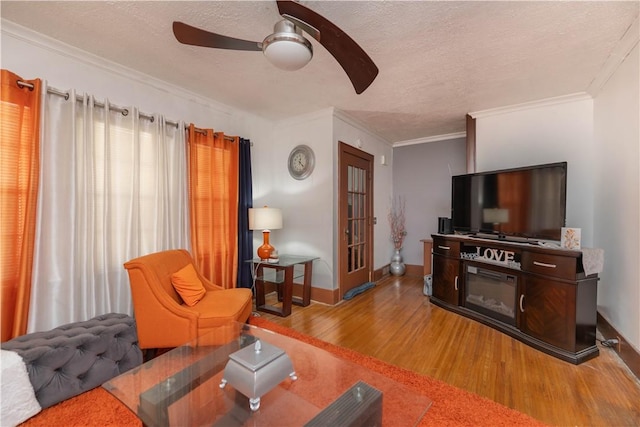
[555, 308]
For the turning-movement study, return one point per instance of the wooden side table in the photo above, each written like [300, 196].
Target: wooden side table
[427, 246]
[284, 285]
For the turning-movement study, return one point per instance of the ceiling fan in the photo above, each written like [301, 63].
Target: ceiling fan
[288, 49]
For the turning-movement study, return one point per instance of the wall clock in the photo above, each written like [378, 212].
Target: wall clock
[301, 162]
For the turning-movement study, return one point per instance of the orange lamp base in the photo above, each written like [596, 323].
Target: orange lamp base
[264, 251]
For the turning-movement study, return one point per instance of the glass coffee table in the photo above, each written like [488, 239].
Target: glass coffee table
[183, 387]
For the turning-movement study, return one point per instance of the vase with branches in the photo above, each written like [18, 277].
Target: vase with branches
[396, 219]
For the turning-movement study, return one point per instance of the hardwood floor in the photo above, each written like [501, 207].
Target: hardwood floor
[396, 323]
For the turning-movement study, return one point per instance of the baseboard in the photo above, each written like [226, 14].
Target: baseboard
[325, 296]
[414, 270]
[410, 270]
[627, 353]
[380, 273]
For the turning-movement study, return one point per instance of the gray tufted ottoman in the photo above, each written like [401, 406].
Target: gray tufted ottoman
[77, 357]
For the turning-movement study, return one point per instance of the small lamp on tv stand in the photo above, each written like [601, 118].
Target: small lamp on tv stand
[265, 219]
[497, 217]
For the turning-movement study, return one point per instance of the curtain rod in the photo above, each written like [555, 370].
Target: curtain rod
[124, 111]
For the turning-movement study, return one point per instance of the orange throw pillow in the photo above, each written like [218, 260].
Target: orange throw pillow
[187, 283]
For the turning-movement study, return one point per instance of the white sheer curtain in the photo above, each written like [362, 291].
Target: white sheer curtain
[113, 187]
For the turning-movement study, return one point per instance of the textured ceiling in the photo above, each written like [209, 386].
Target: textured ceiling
[437, 60]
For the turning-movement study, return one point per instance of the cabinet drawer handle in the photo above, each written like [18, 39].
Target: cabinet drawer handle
[522, 303]
[455, 283]
[544, 264]
[446, 248]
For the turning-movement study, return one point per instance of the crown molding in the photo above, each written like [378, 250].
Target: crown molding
[434, 138]
[9, 28]
[580, 96]
[627, 43]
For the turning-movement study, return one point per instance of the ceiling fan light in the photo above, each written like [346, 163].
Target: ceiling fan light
[286, 48]
[288, 54]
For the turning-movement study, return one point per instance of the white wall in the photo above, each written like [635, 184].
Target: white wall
[310, 206]
[546, 133]
[307, 205]
[423, 177]
[617, 197]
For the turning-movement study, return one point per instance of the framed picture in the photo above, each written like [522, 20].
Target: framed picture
[570, 238]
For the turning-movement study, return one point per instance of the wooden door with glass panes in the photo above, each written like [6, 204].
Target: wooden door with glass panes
[355, 228]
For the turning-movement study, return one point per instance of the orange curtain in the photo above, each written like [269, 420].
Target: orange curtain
[19, 170]
[213, 201]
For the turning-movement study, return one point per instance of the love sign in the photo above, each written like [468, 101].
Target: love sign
[498, 255]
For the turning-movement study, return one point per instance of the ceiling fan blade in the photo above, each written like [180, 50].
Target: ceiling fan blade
[356, 63]
[195, 36]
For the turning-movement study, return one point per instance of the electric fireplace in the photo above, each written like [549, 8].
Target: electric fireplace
[491, 293]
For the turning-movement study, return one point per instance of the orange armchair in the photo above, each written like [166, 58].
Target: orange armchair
[163, 319]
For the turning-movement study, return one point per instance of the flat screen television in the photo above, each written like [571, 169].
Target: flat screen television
[523, 203]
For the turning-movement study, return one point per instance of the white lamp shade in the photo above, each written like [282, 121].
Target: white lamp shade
[265, 218]
[288, 55]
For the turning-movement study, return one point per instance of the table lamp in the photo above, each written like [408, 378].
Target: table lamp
[265, 219]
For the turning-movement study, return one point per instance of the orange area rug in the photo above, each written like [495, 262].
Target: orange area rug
[451, 406]
[90, 409]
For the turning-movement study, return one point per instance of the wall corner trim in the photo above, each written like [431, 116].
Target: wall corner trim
[345, 117]
[620, 52]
